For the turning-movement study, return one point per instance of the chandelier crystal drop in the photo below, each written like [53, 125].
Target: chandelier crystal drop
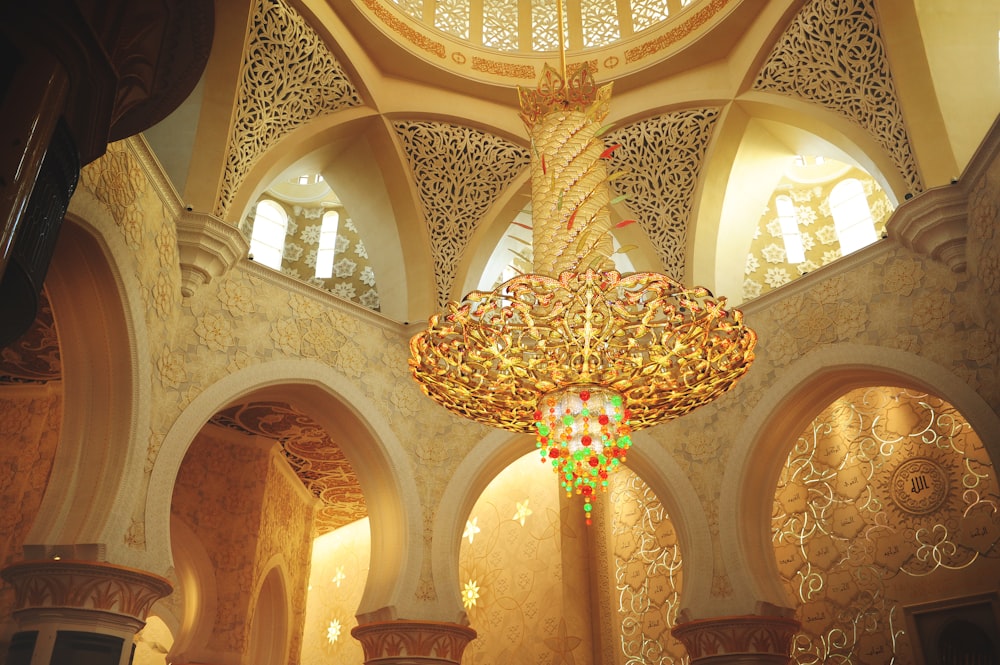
[577, 353]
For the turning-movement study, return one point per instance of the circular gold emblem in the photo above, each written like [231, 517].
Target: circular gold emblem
[919, 486]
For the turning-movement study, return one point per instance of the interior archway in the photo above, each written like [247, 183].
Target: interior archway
[269, 625]
[885, 485]
[782, 415]
[756, 144]
[368, 443]
[99, 365]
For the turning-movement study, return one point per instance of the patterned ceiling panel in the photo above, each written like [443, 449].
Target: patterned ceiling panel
[661, 158]
[34, 357]
[459, 173]
[832, 54]
[316, 459]
[288, 77]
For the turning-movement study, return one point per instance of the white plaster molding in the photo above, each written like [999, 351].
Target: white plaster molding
[155, 175]
[934, 224]
[207, 248]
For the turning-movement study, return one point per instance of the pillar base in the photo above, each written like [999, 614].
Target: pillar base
[413, 642]
[738, 640]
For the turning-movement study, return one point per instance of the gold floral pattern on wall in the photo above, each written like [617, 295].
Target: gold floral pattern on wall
[523, 583]
[639, 549]
[888, 496]
[219, 494]
[336, 583]
[768, 265]
[534, 578]
[30, 426]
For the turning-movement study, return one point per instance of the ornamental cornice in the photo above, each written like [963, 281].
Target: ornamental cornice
[85, 585]
[207, 248]
[934, 224]
[404, 642]
[767, 639]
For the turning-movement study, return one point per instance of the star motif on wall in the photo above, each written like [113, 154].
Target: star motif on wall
[470, 594]
[339, 576]
[471, 529]
[333, 631]
[562, 645]
[522, 511]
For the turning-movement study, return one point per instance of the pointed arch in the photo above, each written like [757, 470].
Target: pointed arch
[806, 387]
[270, 632]
[497, 450]
[368, 442]
[100, 318]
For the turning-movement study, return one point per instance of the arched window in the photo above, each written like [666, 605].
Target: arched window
[327, 244]
[852, 217]
[267, 242]
[794, 250]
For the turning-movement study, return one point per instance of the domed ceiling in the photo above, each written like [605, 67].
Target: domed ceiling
[507, 41]
[519, 26]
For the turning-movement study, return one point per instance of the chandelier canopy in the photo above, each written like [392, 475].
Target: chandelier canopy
[578, 353]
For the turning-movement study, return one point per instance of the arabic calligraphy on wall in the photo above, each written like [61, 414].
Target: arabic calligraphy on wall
[887, 498]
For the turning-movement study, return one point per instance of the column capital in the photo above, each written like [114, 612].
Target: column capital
[409, 642]
[84, 585]
[738, 639]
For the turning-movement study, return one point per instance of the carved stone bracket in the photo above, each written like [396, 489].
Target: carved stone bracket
[207, 247]
[934, 224]
[738, 639]
[84, 585]
[412, 642]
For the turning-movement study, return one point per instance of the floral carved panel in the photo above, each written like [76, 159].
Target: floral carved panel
[288, 77]
[660, 159]
[459, 174]
[832, 54]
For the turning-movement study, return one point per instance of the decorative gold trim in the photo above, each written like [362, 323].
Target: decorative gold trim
[653, 46]
[403, 30]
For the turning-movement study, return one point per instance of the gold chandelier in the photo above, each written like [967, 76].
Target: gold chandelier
[578, 353]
